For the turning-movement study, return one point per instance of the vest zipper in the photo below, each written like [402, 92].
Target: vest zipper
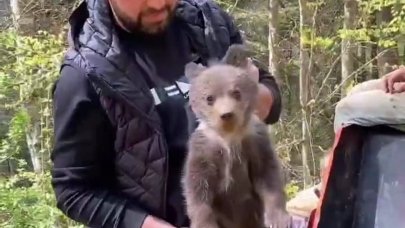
[149, 69]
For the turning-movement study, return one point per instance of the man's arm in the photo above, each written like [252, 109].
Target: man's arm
[83, 158]
[270, 103]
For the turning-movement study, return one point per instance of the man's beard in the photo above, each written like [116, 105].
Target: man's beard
[136, 26]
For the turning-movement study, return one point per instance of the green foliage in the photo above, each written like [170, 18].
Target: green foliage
[291, 190]
[13, 146]
[28, 68]
[324, 43]
[361, 34]
[390, 23]
[29, 65]
[27, 200]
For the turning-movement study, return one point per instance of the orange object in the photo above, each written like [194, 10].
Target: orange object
[315, 214]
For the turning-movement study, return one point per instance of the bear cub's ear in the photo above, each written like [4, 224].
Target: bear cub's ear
[192, 70]
[237, 55]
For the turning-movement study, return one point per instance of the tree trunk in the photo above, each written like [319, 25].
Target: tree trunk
[274, 58]
[371, 51]
[348, 46]
[389, 56]
[305, 26]
[15, 13]
[32, 137]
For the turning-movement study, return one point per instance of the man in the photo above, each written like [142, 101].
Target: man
[120, 107]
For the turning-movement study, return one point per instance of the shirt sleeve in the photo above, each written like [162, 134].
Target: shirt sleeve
[265, 77]
[83, 155]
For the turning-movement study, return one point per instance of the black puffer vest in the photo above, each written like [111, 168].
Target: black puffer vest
[119, 79]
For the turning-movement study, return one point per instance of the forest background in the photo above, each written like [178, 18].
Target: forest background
[317, 49]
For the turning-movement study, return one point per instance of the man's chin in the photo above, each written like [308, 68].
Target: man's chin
[155, 29]
[148, 30]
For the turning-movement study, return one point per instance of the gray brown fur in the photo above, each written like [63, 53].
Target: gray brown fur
[232, 176]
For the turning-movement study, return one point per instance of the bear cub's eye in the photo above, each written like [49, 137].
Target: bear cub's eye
[210, 100]
[236, 94]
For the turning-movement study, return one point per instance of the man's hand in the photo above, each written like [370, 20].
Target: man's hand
[253, 71]
[264, 102]
[153, 222]
[396, 76]
[265, 98]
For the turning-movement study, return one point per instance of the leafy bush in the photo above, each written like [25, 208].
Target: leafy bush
[27, 200]
[29, 66]
[291, 190]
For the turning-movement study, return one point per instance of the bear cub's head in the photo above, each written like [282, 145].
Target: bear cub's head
[223, 95]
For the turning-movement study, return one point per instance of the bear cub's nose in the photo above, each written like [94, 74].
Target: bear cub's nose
[227, 116]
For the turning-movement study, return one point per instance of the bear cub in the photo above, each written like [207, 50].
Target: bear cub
[232, 177]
